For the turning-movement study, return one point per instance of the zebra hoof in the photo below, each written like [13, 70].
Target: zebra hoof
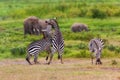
[37, 63]
[48, 63]
[46, 58]
[30, 64]
[62, 62]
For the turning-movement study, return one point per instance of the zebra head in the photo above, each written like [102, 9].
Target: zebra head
[53, 22]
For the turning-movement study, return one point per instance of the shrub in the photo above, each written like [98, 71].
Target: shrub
[97, 13]
[117, 50]
[82, 46]
[83, 12]
[85, 36]
[67, 51]
[62, 7]
[18, 51]
[111, 47]
[114, 62]
[83, 54]
[74, 12]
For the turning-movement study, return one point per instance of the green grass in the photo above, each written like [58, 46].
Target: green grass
[12, 41]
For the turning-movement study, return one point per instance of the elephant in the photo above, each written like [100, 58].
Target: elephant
[78, 27]
[31, 26]
[34, 26]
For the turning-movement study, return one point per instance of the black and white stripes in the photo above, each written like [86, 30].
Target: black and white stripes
[38, 46]
[95, 46]
[57, 40]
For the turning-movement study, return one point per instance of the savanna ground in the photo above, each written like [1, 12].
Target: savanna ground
[102, 18]
[72, 69]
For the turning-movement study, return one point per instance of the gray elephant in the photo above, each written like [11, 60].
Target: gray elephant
[34, 26]
[78, 27]
[31, 26]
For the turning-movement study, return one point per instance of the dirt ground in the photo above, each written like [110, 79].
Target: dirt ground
[72, 69]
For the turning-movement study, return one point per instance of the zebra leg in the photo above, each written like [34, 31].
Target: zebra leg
[35, 59]
[28, 59]
[51, 55]
[47, 57]
[91, 58]
[98, 61]
[59, 56]
[50, 59]
[61, 59]
[48, 51]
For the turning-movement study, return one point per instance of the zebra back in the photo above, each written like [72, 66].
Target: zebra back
[96, 44]
[40, 45]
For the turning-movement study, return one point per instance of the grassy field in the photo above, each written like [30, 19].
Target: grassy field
[102, 18]
[13, 43]
[72, 69]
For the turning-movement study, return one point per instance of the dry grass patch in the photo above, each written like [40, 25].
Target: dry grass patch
[72, 69]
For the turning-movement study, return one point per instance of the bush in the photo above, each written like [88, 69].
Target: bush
[18, 51]
[97, 13]
[111, 47]
[82, 46]
[117, 50]
[83, 54]
[85, 36]
[114, 62]
[67, 51]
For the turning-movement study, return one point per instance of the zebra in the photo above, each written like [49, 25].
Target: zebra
[95, 46]
[57, 40]
[37, 47]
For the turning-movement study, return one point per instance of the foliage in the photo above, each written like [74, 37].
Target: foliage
[96, 13]
[114, 62]
[69, 9]
[102, 19]
[18, 52]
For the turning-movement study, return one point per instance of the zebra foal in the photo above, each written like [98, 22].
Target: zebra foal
[95, 46]
[37, 47]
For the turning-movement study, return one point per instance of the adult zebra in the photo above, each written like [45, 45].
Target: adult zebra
[95, 46]
[57, 40]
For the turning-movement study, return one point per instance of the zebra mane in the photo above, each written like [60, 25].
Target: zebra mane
[101, 43]
[55, 22]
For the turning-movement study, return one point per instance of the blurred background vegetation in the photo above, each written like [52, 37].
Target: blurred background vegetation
[101, 16]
